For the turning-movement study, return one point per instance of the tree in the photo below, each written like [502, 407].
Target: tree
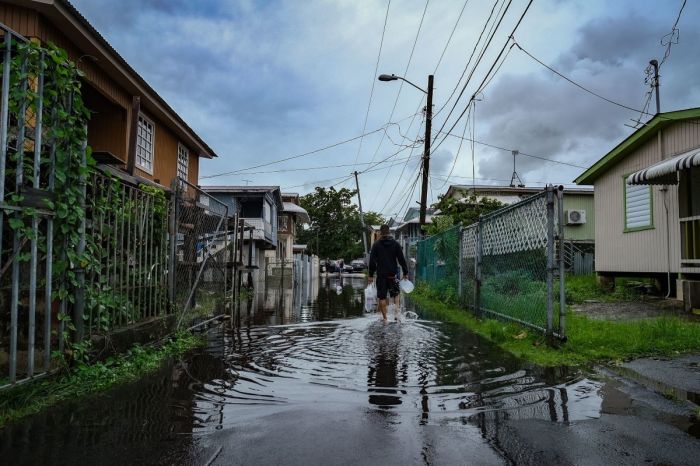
[466, 210]
[336, 230]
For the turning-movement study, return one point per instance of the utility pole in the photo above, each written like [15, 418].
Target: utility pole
[362, 215]
[655, 65]
[426, 154]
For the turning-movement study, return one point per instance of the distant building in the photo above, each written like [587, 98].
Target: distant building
[579, 208]
[259, 207]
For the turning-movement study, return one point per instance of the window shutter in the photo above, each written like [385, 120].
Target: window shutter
[637, 206]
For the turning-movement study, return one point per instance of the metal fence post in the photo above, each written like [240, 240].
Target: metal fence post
[172, 266]
[479, 252]
[79, 308]
[562, 265]
[550, 259]
[460, 259]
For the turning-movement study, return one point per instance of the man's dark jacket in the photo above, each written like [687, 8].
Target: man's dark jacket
[385, 254]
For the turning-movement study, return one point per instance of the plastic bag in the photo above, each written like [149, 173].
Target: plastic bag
[370, 297]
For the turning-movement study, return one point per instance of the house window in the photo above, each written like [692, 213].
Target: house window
[145, 137]
[183, 159]
[638, 213]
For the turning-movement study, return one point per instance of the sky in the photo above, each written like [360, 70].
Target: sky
[262, 81]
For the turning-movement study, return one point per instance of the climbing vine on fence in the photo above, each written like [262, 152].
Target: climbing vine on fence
[64, 154]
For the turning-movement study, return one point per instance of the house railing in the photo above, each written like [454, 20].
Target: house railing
[690, 242]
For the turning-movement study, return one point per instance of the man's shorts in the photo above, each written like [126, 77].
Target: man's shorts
[387, 284]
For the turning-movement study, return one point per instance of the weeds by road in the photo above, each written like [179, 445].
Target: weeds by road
[85, 379]
[589, 341]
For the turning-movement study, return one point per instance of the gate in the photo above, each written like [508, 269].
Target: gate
[203, 248]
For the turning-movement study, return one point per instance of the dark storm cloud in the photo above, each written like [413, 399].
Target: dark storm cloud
[540, 113]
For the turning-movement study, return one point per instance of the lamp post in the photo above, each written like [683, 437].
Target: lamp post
[428, 129]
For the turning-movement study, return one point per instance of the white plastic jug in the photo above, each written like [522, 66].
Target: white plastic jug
[406, 286]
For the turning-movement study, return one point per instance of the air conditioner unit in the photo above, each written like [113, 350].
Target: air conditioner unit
[575, 217]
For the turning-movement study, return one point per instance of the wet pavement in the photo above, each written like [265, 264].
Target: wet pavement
[305, 377]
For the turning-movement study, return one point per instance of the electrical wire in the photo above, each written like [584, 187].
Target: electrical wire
[374, 80]
[585, 89]
[674, 33]
[408, 64]
[466, 67]
[449, 39]
[443, 176]
[492, 34]
[519, 153]
[488, 73]
[459, 148]
[305, 154]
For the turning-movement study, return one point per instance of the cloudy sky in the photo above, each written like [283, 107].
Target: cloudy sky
[265, 80]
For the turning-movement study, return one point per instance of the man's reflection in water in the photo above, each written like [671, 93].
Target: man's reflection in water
[384, 375]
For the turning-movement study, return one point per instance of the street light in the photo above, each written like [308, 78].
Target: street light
[393, 77]
[428, 127]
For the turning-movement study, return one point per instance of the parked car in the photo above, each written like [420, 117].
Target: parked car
[329, 266]
[358, 265]
[347, 268]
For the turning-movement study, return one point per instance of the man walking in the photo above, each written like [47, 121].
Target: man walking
[384, 259]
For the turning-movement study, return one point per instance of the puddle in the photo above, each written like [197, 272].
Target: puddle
[311, 373]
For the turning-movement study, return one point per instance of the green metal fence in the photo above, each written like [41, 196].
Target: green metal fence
[507, 265]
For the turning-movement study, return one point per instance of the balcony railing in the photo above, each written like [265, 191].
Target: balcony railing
[263, 230]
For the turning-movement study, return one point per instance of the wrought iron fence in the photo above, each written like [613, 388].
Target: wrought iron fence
[129, 227]
[507, 265]
[84, 253]
[201, 285]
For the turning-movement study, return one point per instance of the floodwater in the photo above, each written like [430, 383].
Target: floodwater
[304, 376]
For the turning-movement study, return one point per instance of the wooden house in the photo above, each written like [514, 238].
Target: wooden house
[132, 130]
[647, 200]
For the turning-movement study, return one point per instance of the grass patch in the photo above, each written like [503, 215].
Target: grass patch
[589, 341]
[86, 379]
[580, 288]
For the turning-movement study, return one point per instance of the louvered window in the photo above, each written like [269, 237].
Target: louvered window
[638, 214]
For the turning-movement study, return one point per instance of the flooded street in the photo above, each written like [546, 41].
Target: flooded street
[305, 377]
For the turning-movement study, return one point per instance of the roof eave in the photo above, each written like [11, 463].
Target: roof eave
[81, 25]
[634, 140]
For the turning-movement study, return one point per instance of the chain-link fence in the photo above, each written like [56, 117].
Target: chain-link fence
[201, 254]
[507, 265]
[437, 261]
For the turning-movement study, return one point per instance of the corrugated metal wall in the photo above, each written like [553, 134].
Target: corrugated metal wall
[641, 251]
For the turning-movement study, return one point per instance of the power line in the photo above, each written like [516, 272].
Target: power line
[583, 88]
[285, 170]
[408, 64]
[519, 153]
[374, 80]
[577, 84]
[492, 34]
[305, 154]
[442, 176]
[459, 149]
[488, 73]
[674, 33]
[449, 39]
[466, 67]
